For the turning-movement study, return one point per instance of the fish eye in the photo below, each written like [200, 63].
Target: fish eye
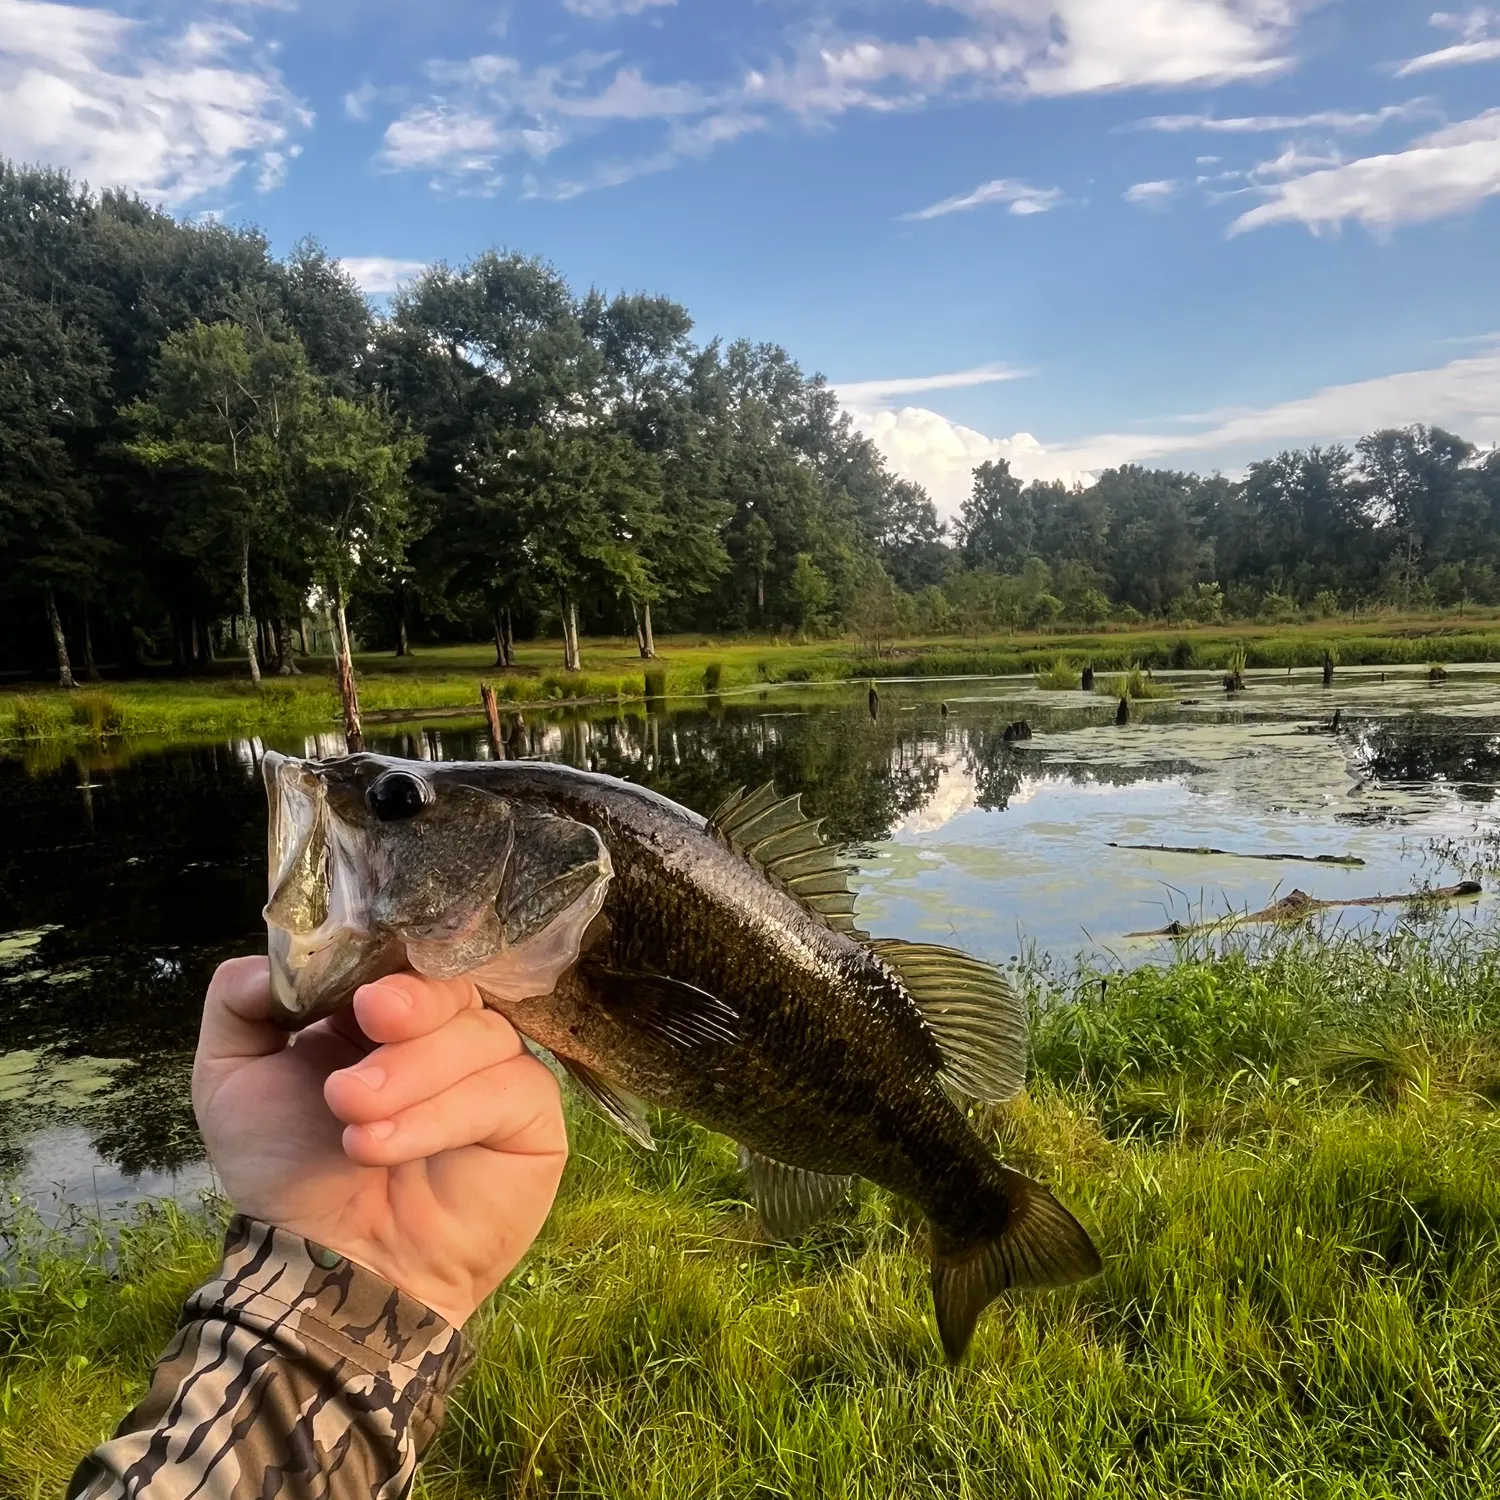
[396, 796]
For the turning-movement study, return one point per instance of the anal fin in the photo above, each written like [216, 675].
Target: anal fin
[625, 1110]
[1041, 1244]
[789, 1200]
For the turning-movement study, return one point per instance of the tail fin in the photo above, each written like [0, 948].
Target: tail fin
[1041, 1244]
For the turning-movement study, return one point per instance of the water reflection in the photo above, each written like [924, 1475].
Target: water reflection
[127, 874]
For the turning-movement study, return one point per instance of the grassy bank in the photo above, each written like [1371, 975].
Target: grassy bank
[1291, 1159]
[449, 677]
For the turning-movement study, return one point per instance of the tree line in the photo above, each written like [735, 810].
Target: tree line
[201, 443]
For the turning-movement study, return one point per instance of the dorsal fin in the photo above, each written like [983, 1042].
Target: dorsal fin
[976, 1018]
[787, 847]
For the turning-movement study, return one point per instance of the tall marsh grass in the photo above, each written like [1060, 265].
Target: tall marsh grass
[1302, 1294]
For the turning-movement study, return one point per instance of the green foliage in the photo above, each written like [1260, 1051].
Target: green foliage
[99, 713]
[1061, 676]
[1133, 684]
[713, 677]
[1286, 1152]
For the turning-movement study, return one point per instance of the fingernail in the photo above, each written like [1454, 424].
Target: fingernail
[372, 1075]
[382, 1130]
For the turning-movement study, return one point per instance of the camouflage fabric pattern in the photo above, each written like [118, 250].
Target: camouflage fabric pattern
[294, 1374]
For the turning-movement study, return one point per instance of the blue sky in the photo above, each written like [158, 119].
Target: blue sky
[1068, 232]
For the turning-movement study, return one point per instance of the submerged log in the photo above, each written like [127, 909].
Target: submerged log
[1299, 905]
[1350, 860]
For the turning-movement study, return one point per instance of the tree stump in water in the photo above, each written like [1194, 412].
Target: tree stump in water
[1327, 669]
[1020, 730]
[1088, 678]
[1122, 713]
[874, 701]
[492, 719]
[1437, 674]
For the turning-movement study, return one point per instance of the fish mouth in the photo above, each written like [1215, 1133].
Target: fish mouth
[320, 945]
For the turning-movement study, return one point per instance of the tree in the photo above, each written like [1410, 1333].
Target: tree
[224, 405]
[355, 460]
[997, 526]
[810, 593]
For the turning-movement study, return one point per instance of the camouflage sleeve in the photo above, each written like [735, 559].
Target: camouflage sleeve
[294, 1374]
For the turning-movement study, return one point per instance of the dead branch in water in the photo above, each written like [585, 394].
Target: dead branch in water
[1299, 905]
[1349, 860]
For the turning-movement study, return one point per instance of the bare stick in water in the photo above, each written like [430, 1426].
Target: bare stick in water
[1307, 859]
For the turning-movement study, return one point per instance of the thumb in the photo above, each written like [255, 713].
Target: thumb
[236, 1013]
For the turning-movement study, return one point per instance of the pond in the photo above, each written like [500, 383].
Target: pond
[128, 872]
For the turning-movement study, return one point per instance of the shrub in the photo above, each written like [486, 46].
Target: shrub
[713, 677]
[656, 683]
[1134, 685]
[100, 713]
[1182, 656]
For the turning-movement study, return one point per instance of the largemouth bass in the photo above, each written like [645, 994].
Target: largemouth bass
[710, 966]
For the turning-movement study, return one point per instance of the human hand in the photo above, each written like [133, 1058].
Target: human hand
[412, 1132]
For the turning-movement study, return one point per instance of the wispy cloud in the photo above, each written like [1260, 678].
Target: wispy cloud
[1478, 41]
[1152, 194]
[1351, 122]
[172, 115]
[924, 446]
[608, 10]
[1446, 172]
[870, 394]
[379, 275]
[1019, 197]
[487, 108]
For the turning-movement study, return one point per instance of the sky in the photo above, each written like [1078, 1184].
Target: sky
[1068, 233]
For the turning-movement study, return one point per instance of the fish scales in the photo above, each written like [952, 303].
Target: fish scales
[659, 956]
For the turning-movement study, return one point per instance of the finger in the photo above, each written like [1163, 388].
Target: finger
[402, 1006]
[514, 1108]
[236, 1012]
[401, 1074]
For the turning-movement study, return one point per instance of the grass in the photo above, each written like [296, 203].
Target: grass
[1134, 685]
[1290, 1154]
[1061, 677]
[448, 677]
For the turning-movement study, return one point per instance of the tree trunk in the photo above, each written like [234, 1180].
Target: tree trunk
[348, 694]
[571, 662]
[285, 666]
[60, 641]
[403, 644]
[207, 628]
[760, 595]
[508, 636]
[648, 650]
[302, 634]
[500, 653]
[90, 667]
[640, 635]
[245, 608]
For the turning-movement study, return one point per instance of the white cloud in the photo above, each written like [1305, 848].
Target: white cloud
[169, 116]
[1004, 48]
[1021, 198]
[875, 394]
[1447, 172]
[1151, 194]
[1463, 395]
[1479, 41]
[607, 10]
[1351, 122]
[380, 274]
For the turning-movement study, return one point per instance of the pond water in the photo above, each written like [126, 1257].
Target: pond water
[127, 873]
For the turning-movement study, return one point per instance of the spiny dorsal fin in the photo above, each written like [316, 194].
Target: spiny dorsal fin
[976, 1018]
[788, 1199]
[787, 847]
[1040, 1244]
[624, 1109]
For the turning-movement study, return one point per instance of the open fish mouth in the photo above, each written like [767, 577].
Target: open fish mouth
[377, 865]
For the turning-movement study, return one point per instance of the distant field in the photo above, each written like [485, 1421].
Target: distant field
[449, 676]
[1290, 1161]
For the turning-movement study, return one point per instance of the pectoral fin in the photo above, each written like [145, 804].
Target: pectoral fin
[789, 1200]
[676, 1016]
[625, 1110]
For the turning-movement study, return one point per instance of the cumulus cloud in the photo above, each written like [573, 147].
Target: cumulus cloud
[1001, 48]
[171, 116]
[1478, 41]
[1020, 197]
[927, 447]
[1447, 172]
[378, 275]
